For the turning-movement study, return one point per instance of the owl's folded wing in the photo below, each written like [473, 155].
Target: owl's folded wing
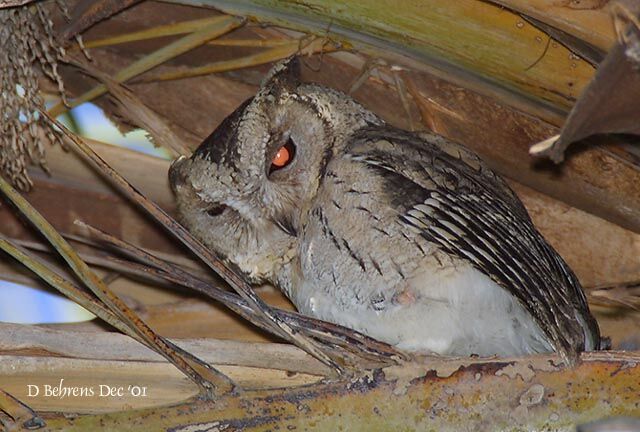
[469, 212]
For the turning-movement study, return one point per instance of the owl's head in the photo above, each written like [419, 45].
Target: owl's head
[246, 191]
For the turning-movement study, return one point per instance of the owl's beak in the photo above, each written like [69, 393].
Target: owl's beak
[177, 175]
[286, 226]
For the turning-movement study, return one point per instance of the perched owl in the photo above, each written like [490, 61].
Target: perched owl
[408, 238]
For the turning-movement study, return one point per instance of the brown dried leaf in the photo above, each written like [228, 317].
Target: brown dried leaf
[610, 103]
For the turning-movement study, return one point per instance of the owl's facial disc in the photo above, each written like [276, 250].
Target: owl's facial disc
[247, 190]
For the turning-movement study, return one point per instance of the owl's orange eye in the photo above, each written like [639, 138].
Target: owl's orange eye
[283, 157]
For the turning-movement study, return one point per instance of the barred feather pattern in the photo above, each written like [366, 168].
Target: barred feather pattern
[471, 213]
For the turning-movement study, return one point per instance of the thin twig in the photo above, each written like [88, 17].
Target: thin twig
[178, 29]
[625, 295]
[168, 274]
[263, 57]
[541, 56]
[368, 352]
[100, 258]
[402, 94]
[217, 26]
[209, 380]
[348, 339]
[426, 107]
[90, 12]
[74, 293]
[250, 43]
[365, 72]
[152, 33]
[62, 285]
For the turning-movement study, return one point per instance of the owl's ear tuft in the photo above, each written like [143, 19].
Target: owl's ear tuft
[285, 75]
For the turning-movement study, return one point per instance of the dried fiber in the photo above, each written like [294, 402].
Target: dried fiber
[27, 42]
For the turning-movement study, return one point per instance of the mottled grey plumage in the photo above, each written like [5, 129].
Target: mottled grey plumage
[408, 238]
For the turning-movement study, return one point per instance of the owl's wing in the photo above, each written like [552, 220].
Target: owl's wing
[448, 196]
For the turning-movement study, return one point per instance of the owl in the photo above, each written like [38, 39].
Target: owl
[406, 237]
